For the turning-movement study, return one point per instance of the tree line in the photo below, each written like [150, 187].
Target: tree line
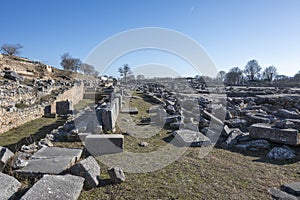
[252, 73]
[74, 64]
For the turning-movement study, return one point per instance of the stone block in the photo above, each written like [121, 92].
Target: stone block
[9, 186]
[50, 160]
[213, 119]
[67, 187]
[5, 155]
[89, 169]
[116, 174]
[63, 107]
[273, 134]
[103, 144]
[191, 138]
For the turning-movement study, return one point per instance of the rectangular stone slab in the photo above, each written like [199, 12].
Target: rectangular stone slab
[283, 136]
[9, 186]
[103, 144]
[67, 187]
[191, 138]
[50, 160]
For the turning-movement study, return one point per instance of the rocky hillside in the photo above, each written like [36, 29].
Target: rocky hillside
[32, 69]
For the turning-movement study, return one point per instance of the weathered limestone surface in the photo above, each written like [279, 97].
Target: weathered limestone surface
[89, 169]
[284, 136]
[116, 174]
[191, 138]
[9, 186]
[50, 160]
[104, 144]
[67, 187]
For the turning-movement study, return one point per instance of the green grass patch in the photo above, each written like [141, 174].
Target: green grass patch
[29, 132]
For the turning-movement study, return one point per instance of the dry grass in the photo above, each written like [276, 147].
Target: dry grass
[220, 175]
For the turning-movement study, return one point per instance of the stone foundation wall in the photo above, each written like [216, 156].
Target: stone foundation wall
[16, 117]
[9, 120]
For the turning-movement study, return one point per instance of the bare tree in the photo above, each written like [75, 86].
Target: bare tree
[270, 72]
[69, 63]
[252, 69]
[87, 69]
[221, 75]
[11, 49]
[125, 71]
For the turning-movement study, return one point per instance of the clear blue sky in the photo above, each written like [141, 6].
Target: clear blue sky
[231, 31]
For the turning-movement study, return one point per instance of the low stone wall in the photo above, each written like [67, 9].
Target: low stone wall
[9, 120]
